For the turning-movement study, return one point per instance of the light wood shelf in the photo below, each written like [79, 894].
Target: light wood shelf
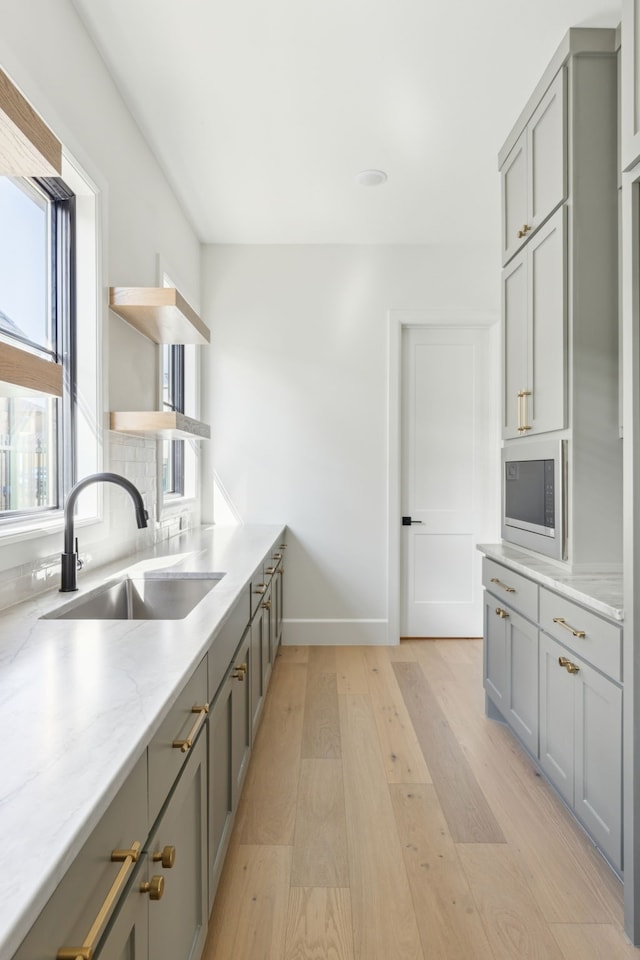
[24, 375]
[160, 313]
[165, 425]
[28, 148]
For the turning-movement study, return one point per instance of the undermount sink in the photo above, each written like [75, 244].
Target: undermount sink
[155, 595]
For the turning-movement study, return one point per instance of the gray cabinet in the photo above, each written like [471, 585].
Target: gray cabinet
[581, 742]
[534, 334]
[127, 936]
[221, 797]
[533, 176]
[630, 51]
[552, 671]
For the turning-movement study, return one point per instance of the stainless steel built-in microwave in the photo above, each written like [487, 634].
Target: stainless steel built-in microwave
[533, 496]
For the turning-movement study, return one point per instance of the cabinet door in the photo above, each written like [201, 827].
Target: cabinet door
[178, 921]
[557, 717]
[257, 691]
[265, 633]
[220, 782]
[513, 176]
[630, 49]
[240, 717]
[546, 154]
[522, 681]
[598, 766]
[127, 936]
[495, 651]
[515, 336]
[545, 407]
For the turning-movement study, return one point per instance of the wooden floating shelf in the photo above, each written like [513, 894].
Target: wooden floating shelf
[28, 148]
[167, 425]
[160, 313]
[24, 375]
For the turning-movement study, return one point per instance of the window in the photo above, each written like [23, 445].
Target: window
[173, 392]
[37, 434]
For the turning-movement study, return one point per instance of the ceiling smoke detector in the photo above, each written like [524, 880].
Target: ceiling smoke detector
[371, 178]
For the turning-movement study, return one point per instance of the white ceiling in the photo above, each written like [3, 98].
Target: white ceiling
[261, 112]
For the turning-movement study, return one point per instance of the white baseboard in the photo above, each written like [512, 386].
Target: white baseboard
[338, 633]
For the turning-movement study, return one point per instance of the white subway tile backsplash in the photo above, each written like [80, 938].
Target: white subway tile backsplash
[136, 459]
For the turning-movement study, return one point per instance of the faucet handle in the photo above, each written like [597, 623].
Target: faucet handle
[79, 562]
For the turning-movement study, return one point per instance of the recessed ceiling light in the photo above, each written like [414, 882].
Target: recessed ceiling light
[371, 178]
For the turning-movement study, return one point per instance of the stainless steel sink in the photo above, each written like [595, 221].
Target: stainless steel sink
[155, 595]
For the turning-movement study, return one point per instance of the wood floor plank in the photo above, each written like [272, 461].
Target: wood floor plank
[321, 731]
[435, 665]
[513, 923]
[570, 881]
[592, 941]
[293, 654]
[465, 807]
[249, 921]
[319, 925]
[403, 759]
[320, 843]
[384, 921]
[402, 652]
[450, 926]
[271, 787]
[457, 651]
[352, 670]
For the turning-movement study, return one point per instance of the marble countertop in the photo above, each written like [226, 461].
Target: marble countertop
[80, 700]
[600, 591]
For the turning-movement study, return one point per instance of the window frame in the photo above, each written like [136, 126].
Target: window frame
[174, 369]
[61, 287]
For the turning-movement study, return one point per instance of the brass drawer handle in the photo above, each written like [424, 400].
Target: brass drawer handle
[502, 613]
[277, 556]
[185, 745]
[563, 623]
[261, 588]
[267, 605]
[523, 231]
[85, 952]
[568, 665]
[504, 586]
[270, 570]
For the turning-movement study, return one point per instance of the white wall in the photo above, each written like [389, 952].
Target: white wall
[297, 396]
[49, 56]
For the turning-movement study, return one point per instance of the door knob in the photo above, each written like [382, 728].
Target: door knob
[407, 521]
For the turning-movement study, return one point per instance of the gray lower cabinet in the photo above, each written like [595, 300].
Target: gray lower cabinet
[127, 937]
[511, 668]
[178, 853]
[581, 742]
[241, 715]
[220, 781]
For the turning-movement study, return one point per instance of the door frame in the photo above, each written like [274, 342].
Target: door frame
[396, 320]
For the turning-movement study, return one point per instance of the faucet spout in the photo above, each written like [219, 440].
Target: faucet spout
[69, 557]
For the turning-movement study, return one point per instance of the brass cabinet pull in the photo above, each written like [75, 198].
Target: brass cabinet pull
[277, 556]
[522, 411]
[502, 613]
[261, 588]
[166, 856]
[270, 570]
[185, 745]
[85, 952]
[504, 586]
[267, 605]
[154, 887]
[568, 665]
[283, 546]
[563, 623]
[523, 231]
[239, 672]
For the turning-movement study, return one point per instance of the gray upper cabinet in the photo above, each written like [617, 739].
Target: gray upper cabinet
[534, 334]
[630, 51]
[534, 181]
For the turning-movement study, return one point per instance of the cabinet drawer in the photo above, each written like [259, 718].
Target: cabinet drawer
[520, 593]
[77, 900]
[591, 637]
[170, 747]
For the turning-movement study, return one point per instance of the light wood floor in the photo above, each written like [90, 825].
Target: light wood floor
[385, 818]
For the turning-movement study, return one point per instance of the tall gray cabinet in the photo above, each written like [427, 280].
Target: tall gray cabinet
[558, 170]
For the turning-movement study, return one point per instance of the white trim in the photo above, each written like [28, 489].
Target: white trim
[397, 319]
[334, 633]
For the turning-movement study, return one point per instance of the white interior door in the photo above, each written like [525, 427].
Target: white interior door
[447, 449]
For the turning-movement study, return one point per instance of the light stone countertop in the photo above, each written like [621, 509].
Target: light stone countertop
[602, 591]
[80, 700]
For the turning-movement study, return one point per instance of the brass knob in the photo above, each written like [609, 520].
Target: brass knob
[167, 857]
[239, 672]
[523, 231]
[502, 613]
[154, 887]
[568, 665]
[267, 605]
